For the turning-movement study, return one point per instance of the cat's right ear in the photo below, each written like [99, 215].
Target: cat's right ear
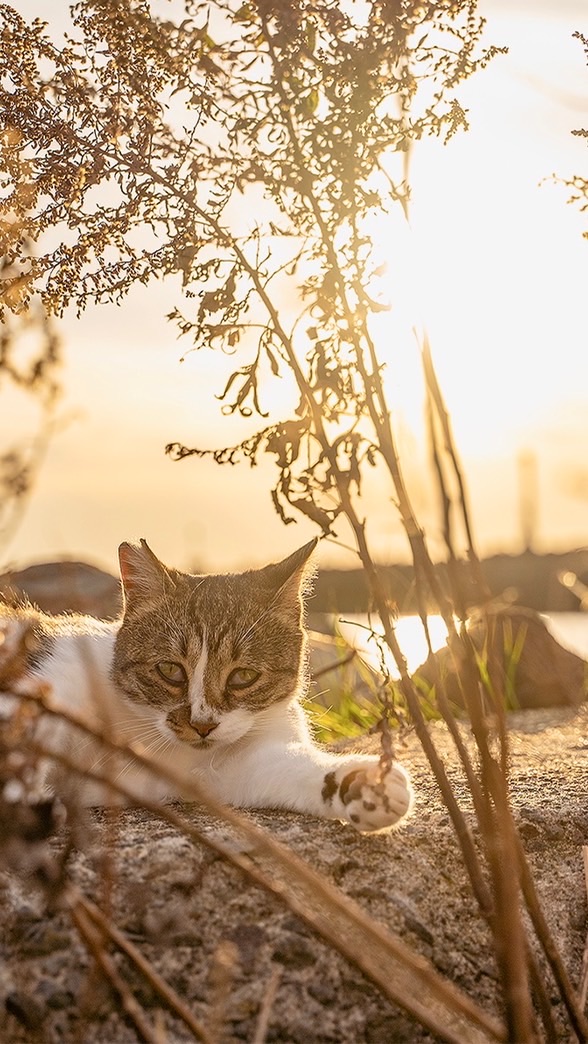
[143, 576]
[291, 579]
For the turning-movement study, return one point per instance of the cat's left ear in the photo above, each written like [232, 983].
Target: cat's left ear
[143, 576]
[292, 578]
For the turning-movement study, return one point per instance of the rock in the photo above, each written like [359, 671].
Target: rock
[60, 587]
[414, 884]
[294, 953]
[533, 669]
[26, 1009]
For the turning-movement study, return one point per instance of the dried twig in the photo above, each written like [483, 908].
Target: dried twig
[221, 977]
[569, 997]
[173, 1001]
[94, 941]
[335, 665]
[583, 987]
[266, 1006]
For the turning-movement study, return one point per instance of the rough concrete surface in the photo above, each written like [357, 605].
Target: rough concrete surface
[193, 915]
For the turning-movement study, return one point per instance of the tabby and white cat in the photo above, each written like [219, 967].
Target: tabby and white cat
[204, 673]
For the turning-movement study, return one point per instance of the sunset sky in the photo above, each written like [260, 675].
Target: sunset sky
[501, 269]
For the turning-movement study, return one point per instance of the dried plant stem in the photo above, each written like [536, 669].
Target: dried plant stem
[446, 513]
[221, 977]
[436, 400]
[540, 993]
[404, 977]
[335, 665]
[514, 969]
[411, 695]
[173, 1001]
[94, 941]
[493, 810]
[502, 910]
[265, 1010]
[509, 934]
[571, 1000]
[583, 987]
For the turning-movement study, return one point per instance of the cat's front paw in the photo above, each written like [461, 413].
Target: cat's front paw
[374, 801]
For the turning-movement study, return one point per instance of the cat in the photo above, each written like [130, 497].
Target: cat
[205, 673]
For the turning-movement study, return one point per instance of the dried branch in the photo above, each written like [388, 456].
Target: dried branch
[265, 1010]
[545, 937]
[583, 987]
[94, 940]
[168, 995]
[221, 977]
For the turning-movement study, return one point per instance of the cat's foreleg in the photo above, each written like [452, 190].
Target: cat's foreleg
[303, 777]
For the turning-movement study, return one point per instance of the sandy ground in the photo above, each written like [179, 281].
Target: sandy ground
[223, 943]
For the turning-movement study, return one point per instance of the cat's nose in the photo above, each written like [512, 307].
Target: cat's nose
[204, 728]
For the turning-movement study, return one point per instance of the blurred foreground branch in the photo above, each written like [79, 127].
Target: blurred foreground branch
[403, 976]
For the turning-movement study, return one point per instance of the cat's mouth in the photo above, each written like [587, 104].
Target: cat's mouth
[199, 742]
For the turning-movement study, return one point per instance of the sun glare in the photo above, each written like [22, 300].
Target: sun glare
[492, 264]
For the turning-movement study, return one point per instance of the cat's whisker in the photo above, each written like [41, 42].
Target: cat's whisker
[140, 731]
[159, 745]
[124, 722]
[150, 750]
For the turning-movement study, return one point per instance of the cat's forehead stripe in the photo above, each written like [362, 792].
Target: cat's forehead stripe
[220, 635]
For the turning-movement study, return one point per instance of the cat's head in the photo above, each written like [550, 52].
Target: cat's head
[211, 653]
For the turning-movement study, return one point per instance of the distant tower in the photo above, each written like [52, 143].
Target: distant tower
[528, 497]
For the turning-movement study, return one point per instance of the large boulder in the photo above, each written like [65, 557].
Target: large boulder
[59, 587]
[240, 957]
[528, 666]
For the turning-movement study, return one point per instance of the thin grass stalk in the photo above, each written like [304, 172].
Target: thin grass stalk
[510, 940]
[539, 987]
[450, 720]
[436, 397]
[510, 937]
[263, 1018]
[221, 975]
[446, 513]
[502, 826]
[478, 796]
[498, 832]
[166, 992]
[93, 939]
[583, 984]
[570, 998]
[497, 693]
[511, 944]
[480, 806]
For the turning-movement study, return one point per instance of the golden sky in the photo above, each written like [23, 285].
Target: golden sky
[504, 266]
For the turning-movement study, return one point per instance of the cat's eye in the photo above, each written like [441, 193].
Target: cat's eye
[172, 672]
[242, 678]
